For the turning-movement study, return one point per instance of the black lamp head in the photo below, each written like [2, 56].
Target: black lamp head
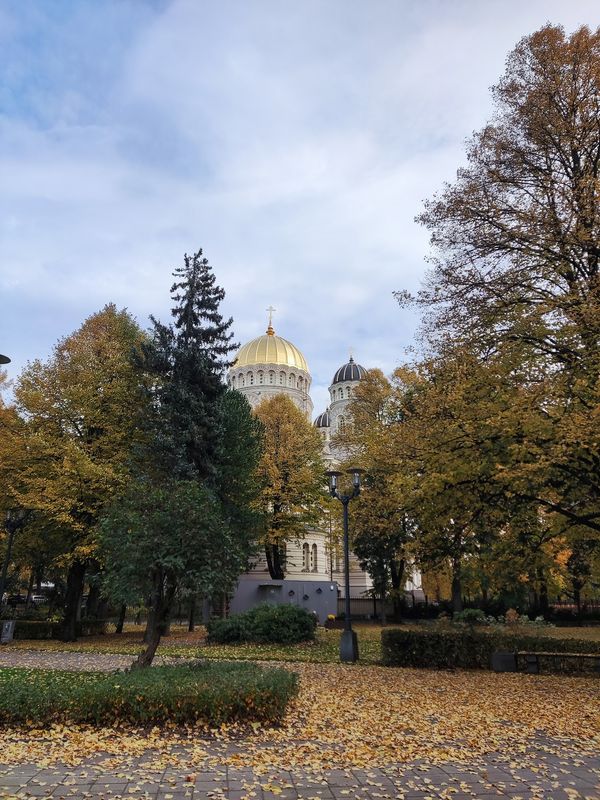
[333, 476]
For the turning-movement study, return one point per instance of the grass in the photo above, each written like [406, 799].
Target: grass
[212, 693]
[325, 648]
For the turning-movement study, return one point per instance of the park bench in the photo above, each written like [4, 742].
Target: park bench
[503, 661]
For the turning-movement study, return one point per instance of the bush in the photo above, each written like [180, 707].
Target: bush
[92, 627]
[265, 624]
[471, 616]
[468, 648]
[212, 693]
[34, 629]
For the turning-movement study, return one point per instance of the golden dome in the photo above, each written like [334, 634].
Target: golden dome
[270, 349]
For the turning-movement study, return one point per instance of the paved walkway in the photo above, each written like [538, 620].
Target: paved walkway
[547, 776]
[535, 772]
[76, 662]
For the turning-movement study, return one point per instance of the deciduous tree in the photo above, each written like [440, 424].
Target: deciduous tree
[290, 473]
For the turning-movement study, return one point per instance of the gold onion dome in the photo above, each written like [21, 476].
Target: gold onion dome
[270, 349]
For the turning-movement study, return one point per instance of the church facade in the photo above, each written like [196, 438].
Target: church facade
[271, 365]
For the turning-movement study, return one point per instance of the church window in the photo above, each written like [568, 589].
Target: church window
[271, 377]
[347, 391]
[242, 380]
[300, 382]
[305, 557]
[232, 383]
[282, 378]
[261, 377]
[341, 425]
[313, 559]
[338, 567]
[251, 378]
[292, 381]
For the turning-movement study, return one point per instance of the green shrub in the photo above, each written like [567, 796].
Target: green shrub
[33, 629]
[468, 648]
[472, 616]
[212, 693]
[92, 627]
[281, 624]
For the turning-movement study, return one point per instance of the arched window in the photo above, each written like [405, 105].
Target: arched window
[313, 558]
[341, 394]
[271, 377]
[300, 382]
[242, 380]
[347, 391]
[251, 378]
[292, 381]
[232, 383]
[261, 377]
[305, 557]
[282, 378]
[341, 425]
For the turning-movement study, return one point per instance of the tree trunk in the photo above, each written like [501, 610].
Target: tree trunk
[577, 587]
[158, 620]
[149, 623]
[73, 594]
[191, 620]
[544, 605]
[11, 529]
[383, 614]
[205, 610]
[91, 606]
[121, 620]
[457, 601]
[30, 589]
[397, 567]
[274, 562]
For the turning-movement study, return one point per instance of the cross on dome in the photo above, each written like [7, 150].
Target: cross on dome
[270, 331]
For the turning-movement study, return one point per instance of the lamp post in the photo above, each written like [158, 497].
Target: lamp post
[348, 643]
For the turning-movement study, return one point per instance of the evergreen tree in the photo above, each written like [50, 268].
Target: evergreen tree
[185, 526]
[187, 362]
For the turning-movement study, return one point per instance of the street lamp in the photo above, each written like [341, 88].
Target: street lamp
[348, 643]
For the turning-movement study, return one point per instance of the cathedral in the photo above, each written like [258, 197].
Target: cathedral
[270, 365]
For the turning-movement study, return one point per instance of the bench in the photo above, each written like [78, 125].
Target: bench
[503, 661]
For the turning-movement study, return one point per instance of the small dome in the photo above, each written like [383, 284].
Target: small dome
[349, 372]
[323, 420]
[270, 349]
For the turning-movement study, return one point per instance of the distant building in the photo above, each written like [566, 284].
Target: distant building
[271, 365]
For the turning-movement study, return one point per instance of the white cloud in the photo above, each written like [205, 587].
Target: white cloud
[293, 142]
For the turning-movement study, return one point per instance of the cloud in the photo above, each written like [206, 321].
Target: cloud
[293, 142]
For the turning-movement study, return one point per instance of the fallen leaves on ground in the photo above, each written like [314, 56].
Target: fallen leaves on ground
[351, 716]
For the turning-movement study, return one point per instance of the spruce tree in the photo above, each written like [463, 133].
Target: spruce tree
[188, 360]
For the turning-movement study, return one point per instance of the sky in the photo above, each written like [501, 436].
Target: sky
[294, 142]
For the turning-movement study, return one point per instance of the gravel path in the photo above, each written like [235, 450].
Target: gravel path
[74, 662]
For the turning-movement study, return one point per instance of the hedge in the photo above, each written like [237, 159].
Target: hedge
[34, 629]
[264, 624]
[44, 629]
[213, 693]
[470, 649]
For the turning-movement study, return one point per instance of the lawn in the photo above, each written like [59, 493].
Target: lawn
[325, 649]
[193, 645]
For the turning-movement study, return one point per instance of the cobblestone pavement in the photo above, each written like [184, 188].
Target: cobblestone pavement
[546, 775]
